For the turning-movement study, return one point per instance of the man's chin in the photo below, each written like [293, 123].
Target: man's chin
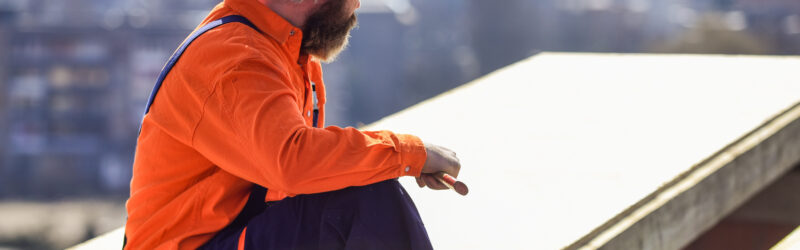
[329, 55]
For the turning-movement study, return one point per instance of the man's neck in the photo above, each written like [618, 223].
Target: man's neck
[294, 13]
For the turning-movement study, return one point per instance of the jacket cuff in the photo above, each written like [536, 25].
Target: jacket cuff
[412, 155]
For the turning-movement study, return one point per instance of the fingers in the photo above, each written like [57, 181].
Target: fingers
[440, 160]
[432, 182]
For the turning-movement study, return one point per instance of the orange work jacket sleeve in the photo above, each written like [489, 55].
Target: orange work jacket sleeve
[253, 126]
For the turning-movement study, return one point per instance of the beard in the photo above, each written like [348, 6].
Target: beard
[327, 31]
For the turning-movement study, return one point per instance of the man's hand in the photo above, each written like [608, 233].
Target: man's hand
[440, 159]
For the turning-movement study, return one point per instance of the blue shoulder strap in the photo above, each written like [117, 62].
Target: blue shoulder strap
[255, 202]
[177, 54]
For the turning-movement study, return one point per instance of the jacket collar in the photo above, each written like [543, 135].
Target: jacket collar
[269, 22]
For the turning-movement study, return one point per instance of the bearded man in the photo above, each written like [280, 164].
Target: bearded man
[233, 152]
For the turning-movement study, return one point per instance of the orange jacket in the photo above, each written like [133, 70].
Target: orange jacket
[235, 110]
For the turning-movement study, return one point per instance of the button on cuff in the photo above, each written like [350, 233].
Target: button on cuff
[412, 155]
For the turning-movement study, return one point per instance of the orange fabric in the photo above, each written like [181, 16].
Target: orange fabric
[233, 112]
[240, 246]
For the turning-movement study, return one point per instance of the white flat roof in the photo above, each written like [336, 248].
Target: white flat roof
[557, 145]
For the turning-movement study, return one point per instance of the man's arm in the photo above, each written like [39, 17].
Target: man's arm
[252, 127]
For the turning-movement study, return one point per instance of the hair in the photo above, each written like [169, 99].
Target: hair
[326, 31]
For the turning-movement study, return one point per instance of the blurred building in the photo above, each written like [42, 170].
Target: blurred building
[504, 33]
[6, 15]
[777, 21]
[76, 77]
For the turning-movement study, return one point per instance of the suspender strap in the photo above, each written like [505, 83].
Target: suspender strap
[177, 54]
[255, 203]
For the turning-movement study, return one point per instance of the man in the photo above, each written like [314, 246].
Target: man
[233, 152]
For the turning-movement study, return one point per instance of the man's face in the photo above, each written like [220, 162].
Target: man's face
[327, 29]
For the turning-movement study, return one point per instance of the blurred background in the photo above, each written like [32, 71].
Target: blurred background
[75, 76]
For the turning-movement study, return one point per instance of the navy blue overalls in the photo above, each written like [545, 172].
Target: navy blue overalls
[376, 216]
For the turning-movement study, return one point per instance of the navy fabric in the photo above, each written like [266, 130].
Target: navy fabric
[316, 108]
[376, 216]
[316, 117]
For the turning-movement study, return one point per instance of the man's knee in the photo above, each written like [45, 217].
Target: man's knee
[376, 216]
[386, 198]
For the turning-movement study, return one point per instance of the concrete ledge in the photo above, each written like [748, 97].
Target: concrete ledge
[684, 208]
[612, 151]
[108, 241]
[791, 242]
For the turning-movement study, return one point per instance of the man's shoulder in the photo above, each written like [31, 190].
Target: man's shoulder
[235, 42]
